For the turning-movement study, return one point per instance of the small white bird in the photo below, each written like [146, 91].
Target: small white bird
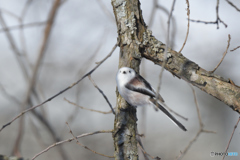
[138, 92]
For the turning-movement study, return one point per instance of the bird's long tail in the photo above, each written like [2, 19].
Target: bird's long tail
[153, 101]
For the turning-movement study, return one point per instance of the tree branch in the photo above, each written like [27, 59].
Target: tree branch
[69, 140]
[189, 71]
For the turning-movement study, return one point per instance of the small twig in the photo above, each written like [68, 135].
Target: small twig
[205, 22]
[188, 14]
[144, 152]
[174, 112]
[35, 131]
[9, 13]
[165, 51]
[224, 54]
[8, 96]
[143, 110]
[105, 97]
[182, 153]
[69, 140]
[218, 18]
[22, 26]
[142, 148]
[86, 146]
[213, 22]
[174, 24]
[197, 107]
[201, 128]
[13, 46]
[235, 48]
[153, 13]
[83, 68]
[233, 5]
[231, 137]
[62, 91]
[93, 110]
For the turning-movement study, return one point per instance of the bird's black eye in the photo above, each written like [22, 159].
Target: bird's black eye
[124, 72]
[129, 71]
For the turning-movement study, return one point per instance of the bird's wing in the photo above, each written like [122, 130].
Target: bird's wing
[168, 114]
[139, 84]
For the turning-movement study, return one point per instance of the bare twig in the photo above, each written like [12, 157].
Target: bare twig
[143, 110]
[197, 107]
[174, 112]
[235, 48]
[213, 22]
[233, 5]
[201, 128]
[152, 16]
[153, 13]
[37, 135]
[224, 54]
[105, 97]
[231, 138]
[33, 24]
[165, 51]
[174, 25]
[22, 37]
[93, 110]
[8, 96]
[86, 146]
[62, 91]
[84, 67]
[69, 140]
[9, 13]
[14, 46]
[188, 14]
[24, 11]
[143, 150]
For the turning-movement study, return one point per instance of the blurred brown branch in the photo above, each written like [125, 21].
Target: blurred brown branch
[231, 137]
[143, 150]
[93, 110]
[33, 24]
[59, 93]
[86, 146]
[165, 51]
[69, 140]
[201, 128]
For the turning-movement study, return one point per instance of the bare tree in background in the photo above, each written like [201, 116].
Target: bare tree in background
[136, 41]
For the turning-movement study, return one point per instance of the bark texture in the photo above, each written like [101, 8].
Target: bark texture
[130, 26]
[135, 42]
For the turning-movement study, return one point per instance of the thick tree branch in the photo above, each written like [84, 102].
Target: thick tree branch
[189, 71]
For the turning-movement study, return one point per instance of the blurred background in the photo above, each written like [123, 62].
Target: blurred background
[84, 32]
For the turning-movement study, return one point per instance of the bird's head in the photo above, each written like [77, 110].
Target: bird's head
[124, 75]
